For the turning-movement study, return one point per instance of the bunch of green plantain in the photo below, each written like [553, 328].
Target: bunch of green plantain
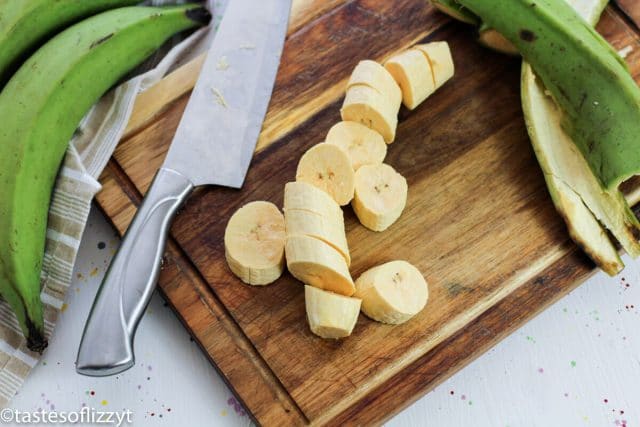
[42, 104]
[582, 110]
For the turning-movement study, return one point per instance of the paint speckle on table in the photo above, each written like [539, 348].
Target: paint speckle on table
[573, 363]
[541, 370]
[223, 413]
[64, 307]
[531, 339]
[94, 272]
[104, 402]
[237, 407]
[102, 245]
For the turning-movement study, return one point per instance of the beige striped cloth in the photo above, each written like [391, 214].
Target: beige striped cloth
[88, 154]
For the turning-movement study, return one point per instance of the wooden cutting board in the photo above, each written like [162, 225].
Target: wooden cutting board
[479, 223]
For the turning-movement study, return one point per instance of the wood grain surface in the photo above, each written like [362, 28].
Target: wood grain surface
[479, 223]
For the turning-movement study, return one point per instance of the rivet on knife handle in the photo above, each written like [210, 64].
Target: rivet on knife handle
[107, 343]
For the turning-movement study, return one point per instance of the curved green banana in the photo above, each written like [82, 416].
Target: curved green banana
[41, 107]
[588, 79]
[24, 25]
[586, 207]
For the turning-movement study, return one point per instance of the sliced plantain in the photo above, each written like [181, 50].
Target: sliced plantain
[367, 106]
[329, 229]
[315, 263]
[254, 243]
[439, 56]
[303, 196]
[412, 71]
[393, 292]
[328, 167]
[330, 315]
[494, 40]
[363, 145]
[370, 73]
[380, 196]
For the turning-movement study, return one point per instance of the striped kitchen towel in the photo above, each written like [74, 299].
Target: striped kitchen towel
[77, 184]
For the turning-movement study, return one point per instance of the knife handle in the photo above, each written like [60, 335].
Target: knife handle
[106, 347]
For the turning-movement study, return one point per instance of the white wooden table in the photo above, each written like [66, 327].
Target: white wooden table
[577, 364]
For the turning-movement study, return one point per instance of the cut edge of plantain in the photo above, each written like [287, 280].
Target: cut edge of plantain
[365, 105]
[412, 71]
[254, 241]
[328, 167]
[364, 146]
[392, 292]
[330, 315]
[380, 196]
[318, 264]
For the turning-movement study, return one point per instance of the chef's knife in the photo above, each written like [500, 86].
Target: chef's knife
[213, 145]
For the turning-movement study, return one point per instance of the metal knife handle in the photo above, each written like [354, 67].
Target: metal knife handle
[107, 342]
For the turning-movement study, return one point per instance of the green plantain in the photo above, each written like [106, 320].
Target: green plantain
[588, 80]
[24, 25]
[575, 190]
[41, 107]
[456, 11]
[587, 207]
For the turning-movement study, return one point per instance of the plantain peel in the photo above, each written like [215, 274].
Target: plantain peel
[26, 24]
[587, 78]
[41, 107]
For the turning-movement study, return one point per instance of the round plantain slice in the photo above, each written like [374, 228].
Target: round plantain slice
[380, 196]
[412, 71]
[364, 146]
[374, 75]
[315, 263]
[254, 243]
[330, 315]
[328, 167]
[367, 106]
[393, 292]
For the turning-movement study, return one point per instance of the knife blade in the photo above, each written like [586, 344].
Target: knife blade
[213, 144]
[233, 93]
